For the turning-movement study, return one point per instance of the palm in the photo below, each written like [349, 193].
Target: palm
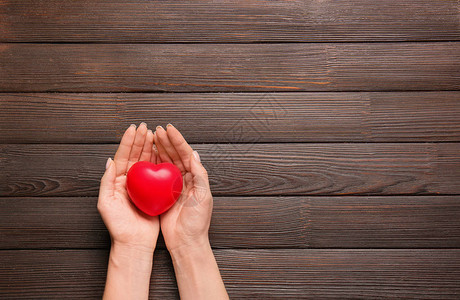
[131, 224]
[179, 218]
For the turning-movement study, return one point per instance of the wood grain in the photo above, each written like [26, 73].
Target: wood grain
[231, 68]
[253, 222]
[228, 21]
[259, 274]
[250, 169]
[234, 117]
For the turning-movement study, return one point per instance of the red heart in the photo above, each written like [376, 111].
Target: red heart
[154, 188]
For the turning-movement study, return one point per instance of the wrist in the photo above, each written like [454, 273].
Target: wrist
[135, 258]
[197, 273]
[135, 248]
[128, 273]
[192, 260]
[190, 251]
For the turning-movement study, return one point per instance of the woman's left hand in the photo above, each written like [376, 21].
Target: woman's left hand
[127, 225]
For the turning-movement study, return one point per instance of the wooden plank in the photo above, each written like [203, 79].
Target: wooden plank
[250, 169]
[253, 222]
[228, 21]
[234, 117]
[447, 168]
[384, 222]
[261, 274]
[413, 116]
[75, 223]
[226, 67]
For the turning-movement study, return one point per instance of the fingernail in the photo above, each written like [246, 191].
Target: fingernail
[133, 125]
[149, 131]
[169, 125]
[143, 123]
[108, 163]
[159, 126]
[196, 156]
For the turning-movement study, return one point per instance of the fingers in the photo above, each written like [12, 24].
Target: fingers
[107, 187]
[163, 155]
[147, 150]
[181, 146]
[144, 145]
[169, 148]
[200, 175]
[122, 155]
[138, 145]
[154, 158]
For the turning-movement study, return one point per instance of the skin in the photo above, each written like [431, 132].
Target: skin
[133, 233]
[185, 226]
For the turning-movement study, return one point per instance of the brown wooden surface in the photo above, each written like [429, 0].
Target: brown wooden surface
[251, 169]
[255, 117]
[300, 273]
[229, 67]
[228, 21]
[253, 222]
[330, 129]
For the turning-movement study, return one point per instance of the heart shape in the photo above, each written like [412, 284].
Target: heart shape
[154, 188]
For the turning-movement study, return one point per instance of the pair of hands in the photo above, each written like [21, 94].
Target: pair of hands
[186, 223]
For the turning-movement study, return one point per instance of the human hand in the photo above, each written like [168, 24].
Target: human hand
[186, 223]
[127, 225]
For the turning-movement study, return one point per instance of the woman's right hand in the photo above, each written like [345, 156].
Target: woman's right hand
[186, 223]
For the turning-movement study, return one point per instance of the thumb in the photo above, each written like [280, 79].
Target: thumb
[107, 187]
[200, 175]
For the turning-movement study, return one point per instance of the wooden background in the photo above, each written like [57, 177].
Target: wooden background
[331, 131]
